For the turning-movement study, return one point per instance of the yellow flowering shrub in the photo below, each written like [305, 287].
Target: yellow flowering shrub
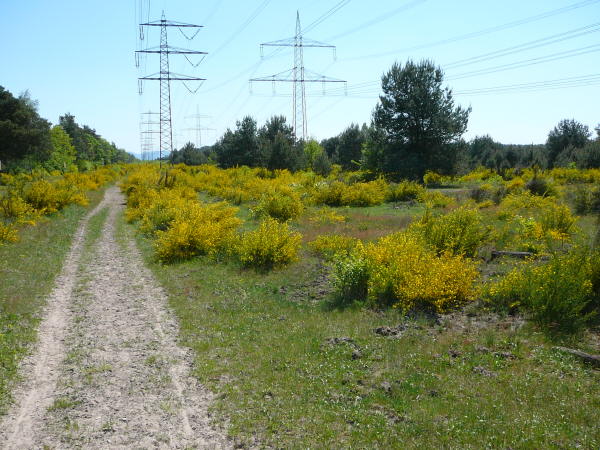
[326, 215]
[197, 229]
[338, 193]
[271, 245]
[460, 232]
[405, 191]
[435, 199]
[282, 205]
[16, 209]
[49, 197]
[401, 271]
[8, 233]
[408, 275]
[555, 294]
[333, 245]
[432, 179]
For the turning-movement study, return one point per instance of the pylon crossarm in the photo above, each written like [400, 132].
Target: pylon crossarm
[170, 23]
[172, 51]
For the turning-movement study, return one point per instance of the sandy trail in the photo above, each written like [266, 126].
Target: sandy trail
[107, 372]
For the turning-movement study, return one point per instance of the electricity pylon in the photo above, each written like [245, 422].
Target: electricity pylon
[147, 134]
[298, 75]
[165, 76]
[198, 128]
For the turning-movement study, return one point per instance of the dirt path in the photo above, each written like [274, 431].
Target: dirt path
[107, 372]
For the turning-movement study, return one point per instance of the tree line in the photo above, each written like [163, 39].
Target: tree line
[415, 127]
[28, 141]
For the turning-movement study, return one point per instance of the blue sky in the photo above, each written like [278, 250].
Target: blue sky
[78, 57]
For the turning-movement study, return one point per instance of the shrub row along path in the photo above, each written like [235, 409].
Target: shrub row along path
[107, 372]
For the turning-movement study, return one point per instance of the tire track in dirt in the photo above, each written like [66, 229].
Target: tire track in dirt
[116, 377]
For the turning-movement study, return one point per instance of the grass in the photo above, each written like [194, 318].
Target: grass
[28, 269]
[263, 344]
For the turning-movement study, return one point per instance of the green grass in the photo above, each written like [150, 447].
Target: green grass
[261, 343]
[28, 269]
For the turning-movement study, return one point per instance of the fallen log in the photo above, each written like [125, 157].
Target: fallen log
[593, 360]
[521, 255]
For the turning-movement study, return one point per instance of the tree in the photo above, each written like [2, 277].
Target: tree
[63, 153]
[312, 150]
[240, 147]
[568, 135]
[419, 120]
[279, 146]
[349, 147]
[189, 155]
[24, 135]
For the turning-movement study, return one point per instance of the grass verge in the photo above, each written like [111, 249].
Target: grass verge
[295, 373]
[28, 269]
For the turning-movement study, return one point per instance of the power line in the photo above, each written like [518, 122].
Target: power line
[528, 62]
[479, 33]
[553, 39]
[378, 19]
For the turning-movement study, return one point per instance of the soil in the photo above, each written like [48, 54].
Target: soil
[107, 371]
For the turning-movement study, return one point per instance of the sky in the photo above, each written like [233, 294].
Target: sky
[522, 66]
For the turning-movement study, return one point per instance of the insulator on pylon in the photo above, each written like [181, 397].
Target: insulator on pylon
[140, 87]
[141, 33]
[137, 60]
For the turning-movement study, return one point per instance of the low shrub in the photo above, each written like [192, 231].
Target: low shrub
[401, 271]
[435, 199]
[432, 179]
[8, 233]
[334, 245]
[271, 245]
[556, 294]
[351, 278]
[460, 232]
[408, 275]
[198, 229]
[282, 206]
[540, 186]
[405, 191]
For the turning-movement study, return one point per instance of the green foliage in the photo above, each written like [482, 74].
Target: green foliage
[24, 135]
[420, 120]
[63, 153]
[555, 294]
[568, 133]
[312, 150]
[351, 279]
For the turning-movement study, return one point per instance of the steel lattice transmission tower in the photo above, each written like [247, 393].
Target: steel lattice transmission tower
[147, 134]
[298, 75]
[165, 76]
[198, 129]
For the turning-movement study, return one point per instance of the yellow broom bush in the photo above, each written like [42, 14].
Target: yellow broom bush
[197, 229]
[271, 245]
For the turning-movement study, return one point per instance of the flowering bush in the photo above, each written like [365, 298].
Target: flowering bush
[400, 271]
[271, 245]
[405, 191]
[197, 229]
[334, 245]
[555, 294]
[8, 233]
[282, 205]
[459, 232]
